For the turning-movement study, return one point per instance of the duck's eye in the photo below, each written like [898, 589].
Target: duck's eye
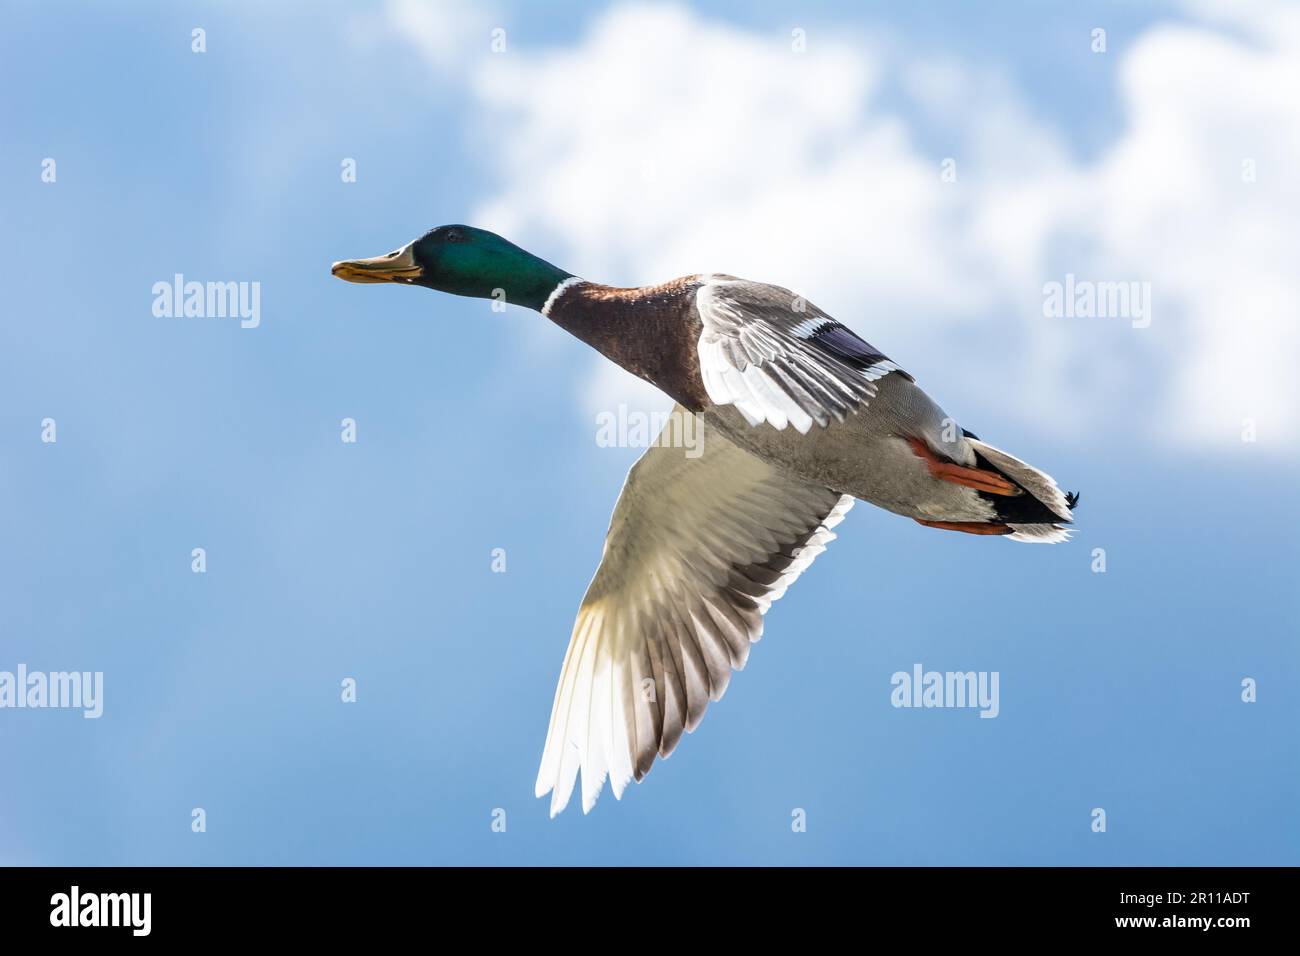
[454, 236]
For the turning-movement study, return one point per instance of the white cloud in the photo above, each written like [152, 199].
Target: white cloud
[1173, 207]
[447, 32]
[662, 143]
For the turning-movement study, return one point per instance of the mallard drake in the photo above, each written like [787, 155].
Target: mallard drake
[799, 417]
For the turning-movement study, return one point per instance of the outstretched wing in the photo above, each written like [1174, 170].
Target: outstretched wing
[780, 359]
[698, 549]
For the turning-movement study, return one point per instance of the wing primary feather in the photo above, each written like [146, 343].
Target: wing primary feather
[697, 550]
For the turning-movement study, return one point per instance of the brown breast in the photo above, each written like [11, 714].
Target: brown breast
[651, 331]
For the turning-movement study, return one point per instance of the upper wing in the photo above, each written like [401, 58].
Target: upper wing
[780, 359]
[697, 551]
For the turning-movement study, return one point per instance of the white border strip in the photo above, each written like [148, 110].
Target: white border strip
[557, 292]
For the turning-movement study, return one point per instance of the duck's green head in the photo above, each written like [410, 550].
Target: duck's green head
[462, 260]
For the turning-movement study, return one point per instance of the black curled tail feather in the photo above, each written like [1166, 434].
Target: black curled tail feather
[1042, 503]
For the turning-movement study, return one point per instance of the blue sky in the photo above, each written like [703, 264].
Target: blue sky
[475, 430]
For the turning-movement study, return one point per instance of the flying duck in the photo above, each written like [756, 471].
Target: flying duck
[798, 417]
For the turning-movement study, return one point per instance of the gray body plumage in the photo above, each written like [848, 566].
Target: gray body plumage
[864, 456]
[863, 407]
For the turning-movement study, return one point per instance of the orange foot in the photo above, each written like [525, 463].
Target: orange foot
[969, 527]
[977, 478]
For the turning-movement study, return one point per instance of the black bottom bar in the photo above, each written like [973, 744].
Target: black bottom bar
[331, 905]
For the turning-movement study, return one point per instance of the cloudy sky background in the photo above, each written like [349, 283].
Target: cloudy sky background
[631, 143]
